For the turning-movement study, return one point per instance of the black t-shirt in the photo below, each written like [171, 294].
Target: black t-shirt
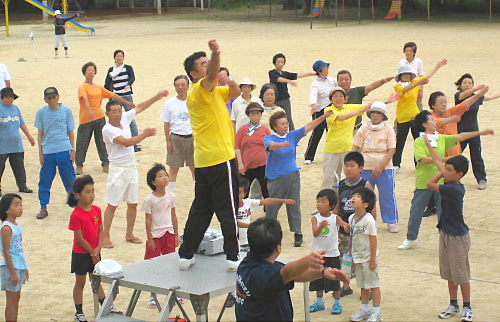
[468, 123]
[451, 221]
[260, 292]
[282, 87]
[355, 96]
[59, 24]
[345, 194]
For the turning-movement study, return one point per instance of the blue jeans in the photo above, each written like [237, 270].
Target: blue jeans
[387, 199]
[62, 162]
[133, 126]
[421, 198]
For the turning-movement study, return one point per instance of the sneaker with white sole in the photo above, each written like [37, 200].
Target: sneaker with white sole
[232, 266]
[151, 303]
[450, 311]
[466, 315]
[482, 185]
[407, 244]
[397, 169]
[80, 317]
[393, 228]
[308, 162]
[114, 310]
[185, 263]
[360, 315]
[375, 317]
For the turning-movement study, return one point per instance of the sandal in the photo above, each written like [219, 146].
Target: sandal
[336, 309]
[316, 307]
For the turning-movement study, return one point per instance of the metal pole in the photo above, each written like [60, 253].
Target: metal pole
[158, 7]
[311, 15]
[7, 29]
[428, 9]
[336, 12]
[491, 9]
[373, 10]
[359, 11]
[65, 6]
[270, 13]
[45, 16]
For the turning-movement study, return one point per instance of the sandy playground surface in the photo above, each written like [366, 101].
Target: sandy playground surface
[410, 282]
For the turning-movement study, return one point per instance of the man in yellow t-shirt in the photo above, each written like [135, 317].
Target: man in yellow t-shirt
[407, 87]
[339, 136]
[216, 174]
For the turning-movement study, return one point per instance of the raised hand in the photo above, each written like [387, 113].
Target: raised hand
[214, 46]
[315, 259]
[336, 274]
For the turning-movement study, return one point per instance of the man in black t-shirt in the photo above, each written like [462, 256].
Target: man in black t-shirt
[60, 31]
[263, 284]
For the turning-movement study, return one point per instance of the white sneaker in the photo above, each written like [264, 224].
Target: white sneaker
[80, 317]
[450, 311]
[407, 244]
[151, 303]
[308, 162]
[232, 266]
[185, 263]
[375, 317]
[360, 316]
[397, 169]
[393, 228]
[467, 315]
[482, 185]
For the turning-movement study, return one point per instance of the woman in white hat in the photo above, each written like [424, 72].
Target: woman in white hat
[60, 31]
[238, 116]
[407, 87]
[376, 140]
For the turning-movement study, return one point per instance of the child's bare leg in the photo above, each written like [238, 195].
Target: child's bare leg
[453, 290]
[319, 293]
[12, 305]
[465, 289]
[365, 295]
[78, 289]
[336, 294]
[100, 292]
[376, 296]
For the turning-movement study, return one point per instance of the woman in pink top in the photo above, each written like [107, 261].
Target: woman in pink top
[250, 149]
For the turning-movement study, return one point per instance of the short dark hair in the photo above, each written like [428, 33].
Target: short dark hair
[458, 83]
[151, 175]
[330, 195]
[275, 117]
[78, 186]
[460, 163]
[181, 77]
[190, 62]
[264, 235]
[433, 97]
[5, 203]
[356, 157]
[244, 183]
[264, 89]
[111, 103]
[344, 71]
[420, 119]
[275, 58]
[87, 65]
[411, 45]
[118, 51]
[367, 196]
[224, 69]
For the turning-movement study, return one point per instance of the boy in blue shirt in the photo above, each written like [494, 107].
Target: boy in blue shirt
[56, 142]
[11, 145]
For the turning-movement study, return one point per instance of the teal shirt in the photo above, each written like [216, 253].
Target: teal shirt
[16, 247]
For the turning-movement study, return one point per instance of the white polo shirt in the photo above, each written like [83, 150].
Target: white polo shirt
[417, 66]
[238, 112]
[176, 113]
[320, 90]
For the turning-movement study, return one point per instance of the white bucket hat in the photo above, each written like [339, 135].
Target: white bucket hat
[405, 70]
[247, 81]
[57, 12]
[378, 107]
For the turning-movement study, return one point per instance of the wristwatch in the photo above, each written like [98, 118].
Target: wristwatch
[323, 271]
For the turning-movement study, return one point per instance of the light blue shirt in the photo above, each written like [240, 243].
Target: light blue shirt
[282, 161]
[55, 124]
[16, 247]
[10, 122]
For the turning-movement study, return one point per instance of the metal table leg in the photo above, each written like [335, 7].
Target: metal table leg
[307, 314]
[108, 301]
[200, 306]
[169, 305]
[133, 302]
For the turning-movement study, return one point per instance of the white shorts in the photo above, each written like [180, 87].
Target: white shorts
[122, 185]
[365, 277]
[58, 39]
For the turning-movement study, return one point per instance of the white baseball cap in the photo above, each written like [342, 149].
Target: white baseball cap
[378, 107]
[57, 12]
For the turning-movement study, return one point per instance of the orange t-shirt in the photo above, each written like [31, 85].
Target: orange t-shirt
[450, 128]
[95, 94]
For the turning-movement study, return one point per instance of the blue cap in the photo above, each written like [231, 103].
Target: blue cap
[319, 65]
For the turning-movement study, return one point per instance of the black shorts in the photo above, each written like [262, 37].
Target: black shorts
[324, 284]
[81, 264]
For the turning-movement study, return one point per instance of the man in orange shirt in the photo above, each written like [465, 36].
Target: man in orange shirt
[447, 118]
[92, 119]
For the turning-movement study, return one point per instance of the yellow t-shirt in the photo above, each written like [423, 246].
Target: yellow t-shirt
[340, 133]
[407, 103]
[212, 128]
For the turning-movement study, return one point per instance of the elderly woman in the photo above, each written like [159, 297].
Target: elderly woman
[268, 95]
[318, 100]
[250, 149]
[282, 173]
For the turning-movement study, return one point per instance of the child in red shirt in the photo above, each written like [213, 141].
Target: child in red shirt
[86, 223]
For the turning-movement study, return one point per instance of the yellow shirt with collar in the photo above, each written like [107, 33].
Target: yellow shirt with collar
[340, 133]
[407, 103]
[213, 131]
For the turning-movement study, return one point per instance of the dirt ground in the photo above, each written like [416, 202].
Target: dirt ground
[411, 286]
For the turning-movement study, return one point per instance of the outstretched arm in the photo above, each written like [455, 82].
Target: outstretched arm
[141, 107]
[120, 99]
[345, 116]
[276, 201]
[302, 75]
[482, 91]
[213, 66]
[469, 135]
[314, 123]
[440, 64]
[126, 142]
[491, 97]
[423, 81]
[295, 269]
[377, 84]
[463, 95]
